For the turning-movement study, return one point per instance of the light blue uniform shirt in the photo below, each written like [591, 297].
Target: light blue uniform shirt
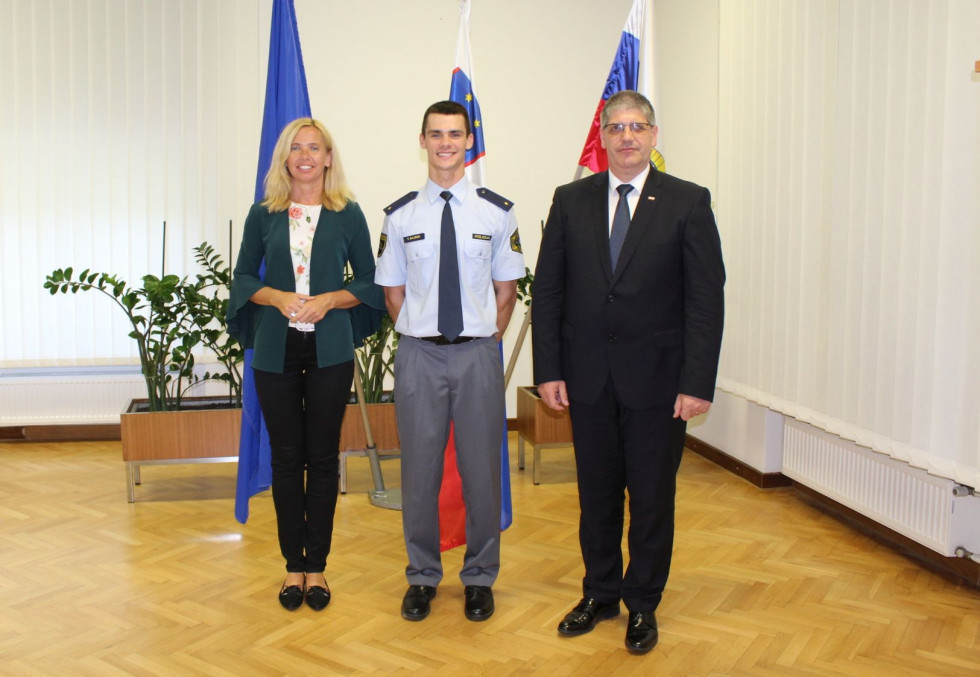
[488, 248]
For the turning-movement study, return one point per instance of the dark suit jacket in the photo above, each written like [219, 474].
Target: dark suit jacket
[655, 324]
[340, 237]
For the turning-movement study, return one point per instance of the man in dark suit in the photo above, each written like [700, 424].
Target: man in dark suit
[628, 315]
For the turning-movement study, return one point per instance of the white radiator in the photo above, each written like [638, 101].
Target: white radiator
[905, 499]
[74, 399]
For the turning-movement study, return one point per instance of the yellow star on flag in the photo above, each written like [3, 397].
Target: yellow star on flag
[469, 97]
[658, 160]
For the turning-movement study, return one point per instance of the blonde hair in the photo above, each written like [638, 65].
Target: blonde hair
[278, 182]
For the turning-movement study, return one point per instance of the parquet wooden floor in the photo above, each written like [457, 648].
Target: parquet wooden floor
[762, 584]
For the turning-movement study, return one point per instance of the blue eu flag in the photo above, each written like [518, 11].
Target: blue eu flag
[286, 98]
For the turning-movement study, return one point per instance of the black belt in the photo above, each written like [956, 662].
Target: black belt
[443, 341]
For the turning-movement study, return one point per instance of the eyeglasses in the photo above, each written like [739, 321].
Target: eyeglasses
[617, 128]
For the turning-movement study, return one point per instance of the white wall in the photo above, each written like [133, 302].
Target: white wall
[743, 430]
[687, 44]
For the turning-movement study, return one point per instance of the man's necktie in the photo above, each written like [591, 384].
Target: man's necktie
[450, 307]
[621, 223]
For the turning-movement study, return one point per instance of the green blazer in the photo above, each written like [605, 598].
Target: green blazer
[340, 237]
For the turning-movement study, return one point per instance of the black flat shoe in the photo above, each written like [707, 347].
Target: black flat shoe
[642, 633]
[317, 597]
[585, 615]
[416, 606]
[291, 597]
[479, 602]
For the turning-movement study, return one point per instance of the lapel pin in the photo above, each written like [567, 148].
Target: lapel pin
[650, 197]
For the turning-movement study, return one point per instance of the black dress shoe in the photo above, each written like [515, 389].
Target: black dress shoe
[641, 633]
[585, 615]
[415, 606]
[317, 597]
[291, 597]
[479, 602]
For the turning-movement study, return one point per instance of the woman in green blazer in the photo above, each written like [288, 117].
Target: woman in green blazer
[301, 321]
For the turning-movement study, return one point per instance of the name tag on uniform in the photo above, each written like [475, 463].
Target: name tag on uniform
[413, 238]
[480, 236]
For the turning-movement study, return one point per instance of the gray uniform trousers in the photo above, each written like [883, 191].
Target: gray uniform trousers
[434, 385]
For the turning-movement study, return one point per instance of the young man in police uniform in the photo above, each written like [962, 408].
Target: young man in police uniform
[449, 260]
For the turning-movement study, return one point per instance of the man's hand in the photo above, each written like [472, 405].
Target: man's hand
[554, 395]
[687, 407]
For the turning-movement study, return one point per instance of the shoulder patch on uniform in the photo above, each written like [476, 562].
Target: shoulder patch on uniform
[400, 202]
[493, 198]
[515, 242]
[381, 245]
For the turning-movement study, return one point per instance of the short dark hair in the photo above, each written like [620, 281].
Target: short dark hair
[447, 108]
[627, 98]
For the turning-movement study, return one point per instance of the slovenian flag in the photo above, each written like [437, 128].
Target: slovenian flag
[286, 98]
[452, 511]
[461, 91]
[624, 74]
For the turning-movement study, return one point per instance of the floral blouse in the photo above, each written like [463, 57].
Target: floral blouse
[302, 227]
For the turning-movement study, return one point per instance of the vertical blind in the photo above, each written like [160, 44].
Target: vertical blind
[116, 117]
[849, 200]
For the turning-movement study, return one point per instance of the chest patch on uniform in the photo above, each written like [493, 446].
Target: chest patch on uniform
[481, 236]
[515, 242]
[414, 238]
[381, 245]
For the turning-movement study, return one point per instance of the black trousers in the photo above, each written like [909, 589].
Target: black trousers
[618, 449]
[303, 409]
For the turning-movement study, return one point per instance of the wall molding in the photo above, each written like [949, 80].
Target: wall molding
[763, 480]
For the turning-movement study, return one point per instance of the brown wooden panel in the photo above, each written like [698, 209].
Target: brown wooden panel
[59, 433]
[383, 427]
[537, 422]
[175, 435]
[763, 480]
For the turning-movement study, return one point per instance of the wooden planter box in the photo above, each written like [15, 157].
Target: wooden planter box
[541, 426]
[383, 427]
[205, 434]
[353, 440]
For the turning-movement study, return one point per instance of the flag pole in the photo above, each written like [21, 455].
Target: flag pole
[512, 363]
[379, 496]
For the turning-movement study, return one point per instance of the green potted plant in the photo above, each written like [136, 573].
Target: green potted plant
[173, 320]
[206, 300]
[376, 362]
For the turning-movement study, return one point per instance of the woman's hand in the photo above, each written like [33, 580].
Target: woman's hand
[303, 307]
[314, 308]
[290, 304]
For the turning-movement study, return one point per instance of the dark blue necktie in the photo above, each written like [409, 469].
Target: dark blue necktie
[621, 223]
[450, 307]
